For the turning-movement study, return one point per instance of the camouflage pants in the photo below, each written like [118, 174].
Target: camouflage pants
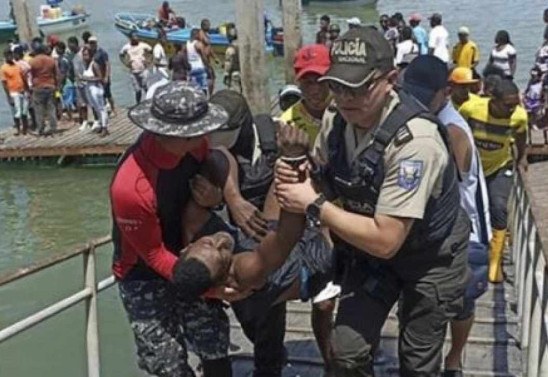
[161, 324]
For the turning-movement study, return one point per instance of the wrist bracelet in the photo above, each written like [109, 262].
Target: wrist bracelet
[294, 162]
[293, 159]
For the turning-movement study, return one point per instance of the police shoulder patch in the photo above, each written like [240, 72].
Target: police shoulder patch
[403, 136]
[410, 174]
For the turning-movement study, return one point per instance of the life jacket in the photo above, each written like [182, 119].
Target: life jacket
[358, 186]
[256, 177]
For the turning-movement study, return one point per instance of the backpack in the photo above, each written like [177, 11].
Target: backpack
[256, 178]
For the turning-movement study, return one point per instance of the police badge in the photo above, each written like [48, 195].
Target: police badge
[410, 174]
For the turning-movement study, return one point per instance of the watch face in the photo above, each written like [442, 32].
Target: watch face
[313, 211]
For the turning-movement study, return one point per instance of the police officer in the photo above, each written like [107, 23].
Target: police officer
[400, 232]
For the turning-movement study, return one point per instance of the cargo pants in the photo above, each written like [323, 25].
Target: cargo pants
[430, 288]
[162, 324]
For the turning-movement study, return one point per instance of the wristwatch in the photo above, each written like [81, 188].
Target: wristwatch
[313, 210]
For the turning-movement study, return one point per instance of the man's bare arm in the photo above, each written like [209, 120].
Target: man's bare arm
[462, 150]
[250, 270]
[244, 214]
[521, 146]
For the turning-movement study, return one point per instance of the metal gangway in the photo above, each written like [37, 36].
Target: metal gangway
[521, 314]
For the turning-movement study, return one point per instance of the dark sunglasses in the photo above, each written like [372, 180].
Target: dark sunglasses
[340, 89]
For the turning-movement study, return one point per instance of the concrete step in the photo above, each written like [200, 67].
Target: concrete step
[484, 309]
[490, 320]
[304, 358]
[494, 329]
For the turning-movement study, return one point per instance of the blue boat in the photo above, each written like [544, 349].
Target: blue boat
[145, 25]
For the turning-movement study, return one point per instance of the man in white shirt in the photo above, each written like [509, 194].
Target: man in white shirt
[438, 40]
[159, 57]
[136, 56]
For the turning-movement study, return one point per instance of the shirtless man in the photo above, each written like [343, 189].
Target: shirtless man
[210, 56]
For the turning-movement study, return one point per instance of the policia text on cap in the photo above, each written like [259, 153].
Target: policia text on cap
[400, 233]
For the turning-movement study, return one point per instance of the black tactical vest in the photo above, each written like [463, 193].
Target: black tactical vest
[358, 185]
[255, 179]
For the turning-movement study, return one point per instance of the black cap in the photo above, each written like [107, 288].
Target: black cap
[357, 55]
[425, 76]
[178, 110]
[435, 17]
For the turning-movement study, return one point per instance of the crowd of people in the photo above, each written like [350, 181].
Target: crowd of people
[51, 79]
[409, 40]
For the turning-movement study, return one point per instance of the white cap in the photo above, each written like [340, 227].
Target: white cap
[290, 89]
[354, 21]
[93, 38]
[464, 30]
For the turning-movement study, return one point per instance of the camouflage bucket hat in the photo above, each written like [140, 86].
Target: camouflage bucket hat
[178, 110]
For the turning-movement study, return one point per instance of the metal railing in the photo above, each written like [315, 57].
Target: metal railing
[88, 294]
[531, 282]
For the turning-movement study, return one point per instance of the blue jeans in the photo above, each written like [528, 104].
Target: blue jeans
[199, 79]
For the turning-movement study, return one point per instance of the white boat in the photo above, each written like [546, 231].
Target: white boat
[63, 21]
[360, 2]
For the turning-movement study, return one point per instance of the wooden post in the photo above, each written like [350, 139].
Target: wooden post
[251, 42]
[27, 28]
[292, 35]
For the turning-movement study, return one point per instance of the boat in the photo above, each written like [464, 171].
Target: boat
[52, 20]
[146, 28]
[360, 2]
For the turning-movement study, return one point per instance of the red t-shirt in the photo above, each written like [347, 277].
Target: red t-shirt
[134, 207]
[43, 70]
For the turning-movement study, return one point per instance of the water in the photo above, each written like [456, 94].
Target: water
[46, 211]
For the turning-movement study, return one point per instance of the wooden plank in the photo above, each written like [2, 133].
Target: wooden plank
[68, 151]
[70, 142]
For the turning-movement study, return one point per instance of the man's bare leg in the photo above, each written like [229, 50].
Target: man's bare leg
[322, 323]
[459, 335]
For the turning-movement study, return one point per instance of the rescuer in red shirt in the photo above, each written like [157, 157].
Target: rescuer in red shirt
[166, 293]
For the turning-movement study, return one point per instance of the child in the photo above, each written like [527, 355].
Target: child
[533, 97]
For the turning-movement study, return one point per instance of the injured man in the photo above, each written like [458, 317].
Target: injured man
[222, 262]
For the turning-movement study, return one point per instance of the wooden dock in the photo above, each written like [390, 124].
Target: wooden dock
[72, 146]
[70, 143]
